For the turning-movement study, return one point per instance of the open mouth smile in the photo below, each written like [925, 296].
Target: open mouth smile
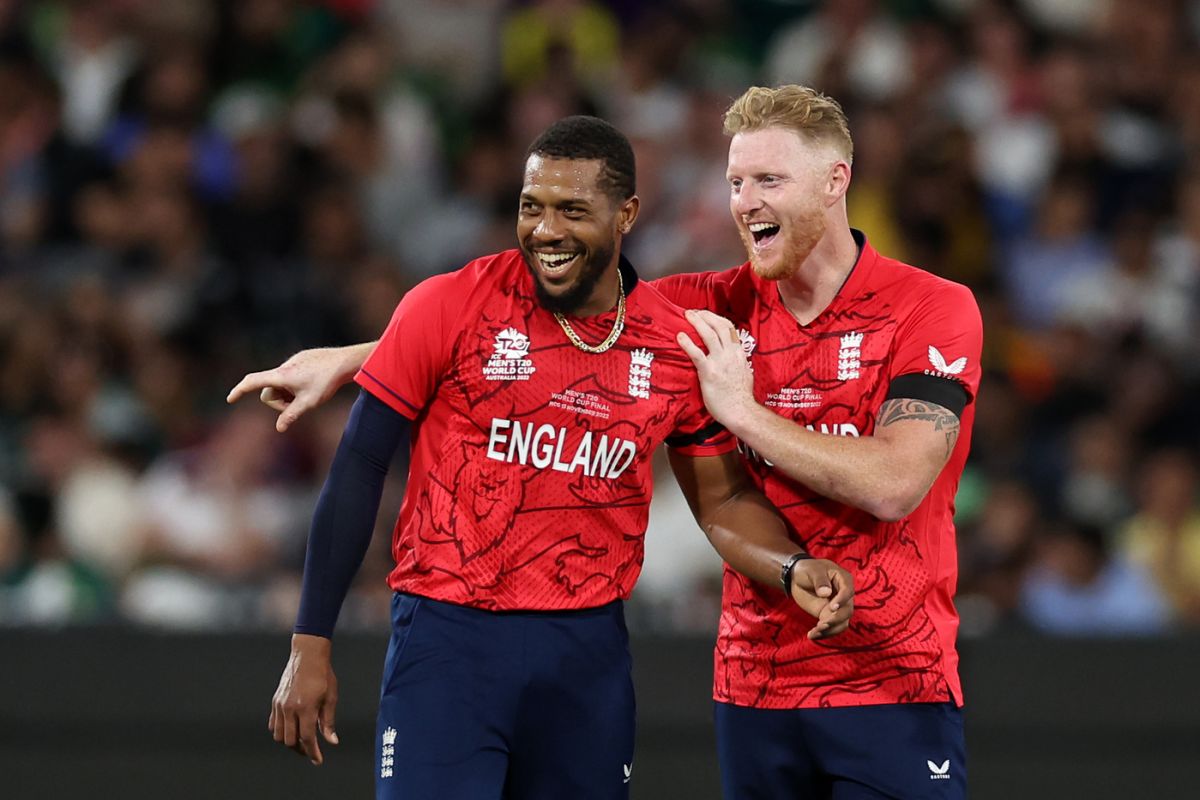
[763, 233]
[556, 265]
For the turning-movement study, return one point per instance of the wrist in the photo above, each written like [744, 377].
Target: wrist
[788, 567]
[311, 643]
[353, 357]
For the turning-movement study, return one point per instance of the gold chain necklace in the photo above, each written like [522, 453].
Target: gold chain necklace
[611, 339]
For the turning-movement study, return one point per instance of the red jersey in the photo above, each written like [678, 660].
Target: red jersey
[530, 478]
[831, 376]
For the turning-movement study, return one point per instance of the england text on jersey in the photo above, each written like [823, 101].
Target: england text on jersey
[531, 470]
[520, 443]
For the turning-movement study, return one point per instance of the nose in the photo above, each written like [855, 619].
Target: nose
[547, 229]
[745, 200]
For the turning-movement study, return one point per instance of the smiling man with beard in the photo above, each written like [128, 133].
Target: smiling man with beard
[567, 267]
[534, 386]
[855, 422]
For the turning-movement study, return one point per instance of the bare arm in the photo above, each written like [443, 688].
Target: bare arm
[748, 533]
[886, 474]
[304, 381]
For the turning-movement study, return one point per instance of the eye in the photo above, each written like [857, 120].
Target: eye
[529, 207]
[735, 184]
[770, 180]
[573, 213]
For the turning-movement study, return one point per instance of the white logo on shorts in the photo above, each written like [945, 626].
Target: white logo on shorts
[387, 756]
[628, 772]
[939, 773]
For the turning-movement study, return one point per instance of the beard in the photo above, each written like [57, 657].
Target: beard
[803, 236]
[578, 293]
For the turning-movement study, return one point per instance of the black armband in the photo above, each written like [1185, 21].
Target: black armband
[949, 394]
[699, 437]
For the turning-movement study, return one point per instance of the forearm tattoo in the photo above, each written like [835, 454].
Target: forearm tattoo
[943, 419]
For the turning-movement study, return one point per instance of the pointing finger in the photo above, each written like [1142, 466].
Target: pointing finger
[253, 382]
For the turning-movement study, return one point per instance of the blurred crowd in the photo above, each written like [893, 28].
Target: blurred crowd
[192, 190]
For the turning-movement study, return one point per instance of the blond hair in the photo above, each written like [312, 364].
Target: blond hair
[816, 117]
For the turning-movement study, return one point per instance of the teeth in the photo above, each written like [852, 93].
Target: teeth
[554, 259]
[757, 227]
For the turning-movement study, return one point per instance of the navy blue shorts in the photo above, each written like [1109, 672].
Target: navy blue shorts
[478, 705]
[905, 751]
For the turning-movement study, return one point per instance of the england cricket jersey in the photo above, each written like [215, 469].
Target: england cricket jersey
[530, 478]
[887, 322]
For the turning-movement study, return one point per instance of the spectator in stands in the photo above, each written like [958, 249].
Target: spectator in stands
[189, 189]
[1076, 588]
[1163, 536]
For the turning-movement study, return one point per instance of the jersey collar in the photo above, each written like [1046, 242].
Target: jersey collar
[862, 266]
[629, 275]
[851, 286]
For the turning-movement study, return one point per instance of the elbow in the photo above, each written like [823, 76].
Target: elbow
[899, 487]
[895, 506]
[890, 512]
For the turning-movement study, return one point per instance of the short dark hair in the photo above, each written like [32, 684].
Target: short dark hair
[591, 138]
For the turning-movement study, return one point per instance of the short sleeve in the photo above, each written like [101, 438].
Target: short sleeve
[414, 353]
[698, 434]
[942, 338]
[709, 440]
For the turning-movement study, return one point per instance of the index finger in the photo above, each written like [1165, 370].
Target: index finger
[716, 320]
[709, 334]
[253, 382]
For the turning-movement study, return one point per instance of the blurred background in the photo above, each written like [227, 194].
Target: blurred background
[194, 189]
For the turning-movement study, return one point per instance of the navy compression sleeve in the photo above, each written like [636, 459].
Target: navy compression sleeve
[344, 518]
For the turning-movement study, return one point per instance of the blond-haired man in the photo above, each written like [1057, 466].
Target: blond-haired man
[855, 422]
[849, 380]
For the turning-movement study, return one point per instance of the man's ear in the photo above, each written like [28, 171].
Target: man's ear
[627, 214]
[838, 183]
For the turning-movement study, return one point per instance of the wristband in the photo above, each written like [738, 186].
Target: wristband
[785, 573]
